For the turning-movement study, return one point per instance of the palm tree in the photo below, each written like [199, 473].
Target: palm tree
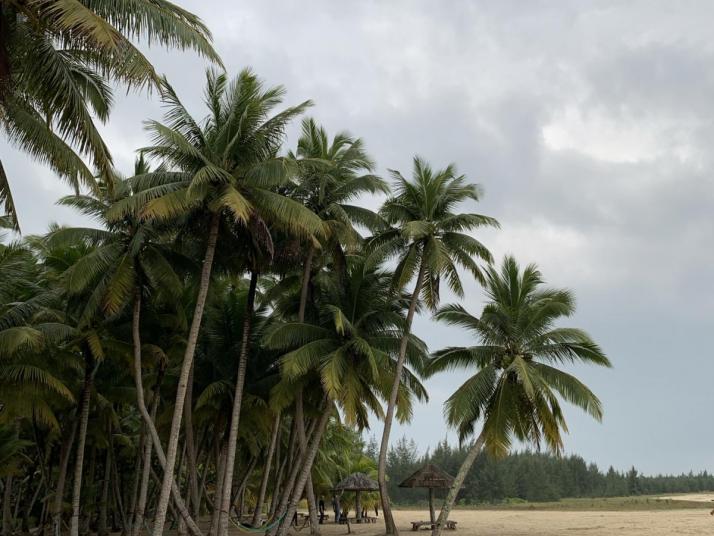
[517, 385]
[430, 241]
[222, 173]
[351, 350]
[330, 175]
[56, 62]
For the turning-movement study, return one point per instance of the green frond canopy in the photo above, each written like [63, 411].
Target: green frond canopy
[517, 388]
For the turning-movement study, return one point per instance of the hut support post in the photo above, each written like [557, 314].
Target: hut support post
[358, 507]
[431, 505]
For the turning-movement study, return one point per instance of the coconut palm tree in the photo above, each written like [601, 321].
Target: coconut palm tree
[430, 240]
[351, 350]
[518, 385]
[56, 62]
[221, 173]
[331, 174]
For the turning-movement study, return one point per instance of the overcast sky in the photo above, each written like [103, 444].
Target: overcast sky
[589, 125]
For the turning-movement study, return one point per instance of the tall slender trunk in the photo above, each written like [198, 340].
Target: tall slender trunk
[81, 440]
[306, 277]
[474, 451]
[138, 523]
[191, 448]
[306, 273]
[7, 507]
[57, 502]
[293, 461]
[149, 422]
[117, 489]
[103, 528]
[172, 448]
[237, 400]
[389, 524]
[306, 467]
[136, 479]
[289, 449]
[266, 470]
[302, 441]
[218, 496]
[243, 484]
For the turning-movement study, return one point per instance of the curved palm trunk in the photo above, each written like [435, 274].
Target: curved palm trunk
[305, 467]
[390, 526]
[138, 524]
[191, 448]
[172, 448]
[81, 440]
[474, 451]
[237, 400]
[266, 471]
[310, 492]
[149, 420]
[61, 480]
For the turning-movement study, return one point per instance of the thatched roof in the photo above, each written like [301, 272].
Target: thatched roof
[429, 476]
[357, 482]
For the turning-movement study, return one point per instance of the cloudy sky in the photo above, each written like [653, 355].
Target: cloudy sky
[589, 125]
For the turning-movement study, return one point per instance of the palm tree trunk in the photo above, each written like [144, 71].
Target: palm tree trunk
[307, 269]
[103, 529]
[148, 420]
[242, 485]
[7, 507]
[305, 467]
[289, 448]
[218, 496]
[65, 452]
[237, 400]
[474, 451]
[138, 524]
[266, 471]
[390, 526]
[117, 489]
[171, 450]
[191, 449]
[309, 490]
[81, 440]
[136, 479]
[306, 276]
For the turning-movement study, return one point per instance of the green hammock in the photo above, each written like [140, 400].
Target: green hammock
[263, 529]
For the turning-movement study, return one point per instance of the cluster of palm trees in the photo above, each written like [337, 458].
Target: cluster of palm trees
[235, 314]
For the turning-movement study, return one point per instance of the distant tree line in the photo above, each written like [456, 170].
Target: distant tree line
[528, 475]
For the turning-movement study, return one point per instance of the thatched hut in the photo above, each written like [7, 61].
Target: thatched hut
[431, 477]
[357, 482]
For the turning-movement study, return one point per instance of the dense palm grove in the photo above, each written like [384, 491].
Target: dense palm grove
[208, 349]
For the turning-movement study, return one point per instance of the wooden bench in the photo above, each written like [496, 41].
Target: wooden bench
[416, 525]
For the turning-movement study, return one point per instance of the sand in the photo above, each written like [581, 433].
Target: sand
[535, 523]
[694, 497]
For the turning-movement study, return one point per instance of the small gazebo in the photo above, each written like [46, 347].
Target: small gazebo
[357, 482]
[432, 477]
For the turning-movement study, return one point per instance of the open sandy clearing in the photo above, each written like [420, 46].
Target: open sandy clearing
[535, 523]
[694, 497]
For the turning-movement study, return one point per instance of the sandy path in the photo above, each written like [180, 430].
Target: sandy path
[535, 523]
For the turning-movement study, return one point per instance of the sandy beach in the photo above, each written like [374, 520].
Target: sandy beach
[552, 523]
